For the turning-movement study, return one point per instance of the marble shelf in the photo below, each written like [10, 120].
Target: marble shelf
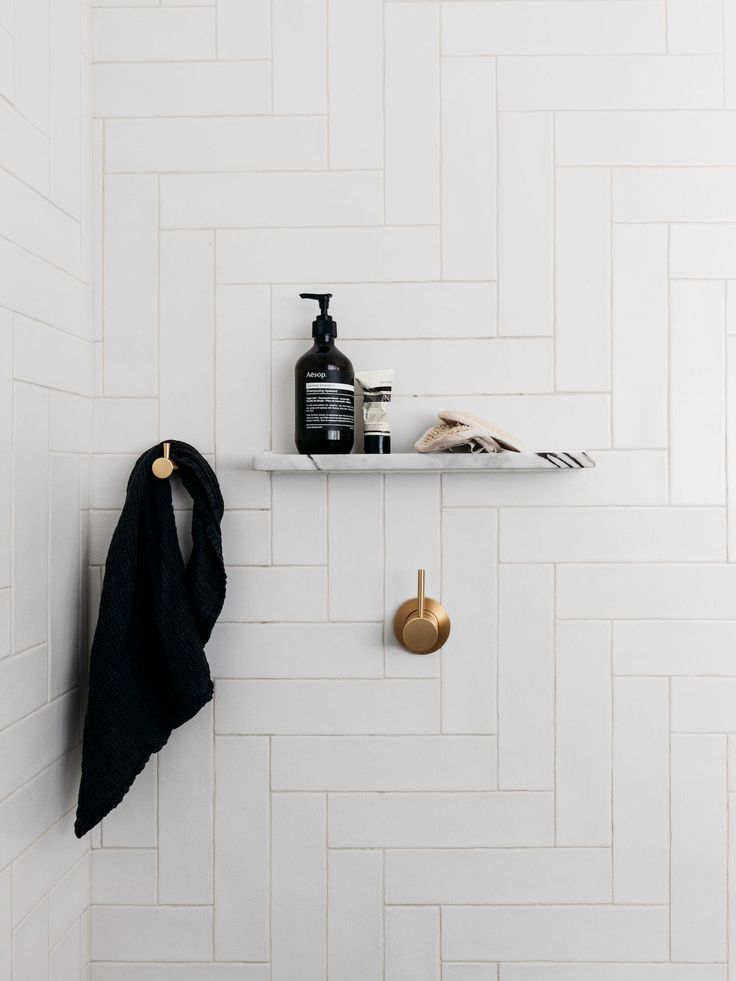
[423, 462]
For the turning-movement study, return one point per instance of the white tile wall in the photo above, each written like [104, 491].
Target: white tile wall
[45, 441]
[527, 209]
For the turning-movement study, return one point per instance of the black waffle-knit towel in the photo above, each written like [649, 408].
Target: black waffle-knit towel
[148, 671]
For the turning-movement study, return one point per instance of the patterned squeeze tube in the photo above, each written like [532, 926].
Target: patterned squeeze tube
[377, 386]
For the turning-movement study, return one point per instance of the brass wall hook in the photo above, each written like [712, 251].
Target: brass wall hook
[164, 466]
[421, 624]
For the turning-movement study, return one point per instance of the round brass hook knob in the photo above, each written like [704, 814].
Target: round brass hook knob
[421, 625]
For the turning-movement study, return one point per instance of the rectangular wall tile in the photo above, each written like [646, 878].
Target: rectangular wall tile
[65, 574]
[639, 336]
[158, 34]
[30, 515]
[703, 705]
[31, 946]
[679, 194]
[499, 876]
[469, 591]
[328, 707]
[296, 542]
[158, 933]
[412, 80]
[645, 592]
[32, 46]
[699, 848]
[298, 883]
[702, 251]
[469, 166]
[583, 280]
[271, 200]
[546, 27]
[299, 52]
[640, 791]
[124, 876]
[731, 436]
[134, 822]
[697, 393]
[583, 734]
[612, 972]
[526, 677]
[694, 25]
[243, 29]
[526, 224]
[669, 647]
[215, 144]
[611, 82]
[391, 763]
[355, 548]
[242, 849]
[628, 534]
[355, 912]
[296, 650]
[260, 593]
[338, 254]
[130, 303]
[186, 338]
[185, 820]
[45, 863]
[413, 541]
[412, 944]
[626, 933]
[450, 820]
[355, 77]
[182, 89]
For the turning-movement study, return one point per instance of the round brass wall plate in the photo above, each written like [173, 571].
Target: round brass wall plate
[408, 611]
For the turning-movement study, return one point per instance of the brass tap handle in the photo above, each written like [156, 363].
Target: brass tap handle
[421, 625]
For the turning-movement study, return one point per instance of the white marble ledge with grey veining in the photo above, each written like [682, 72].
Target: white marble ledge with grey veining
[427, 462]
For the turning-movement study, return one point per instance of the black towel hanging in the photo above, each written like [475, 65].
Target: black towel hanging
[148, 671]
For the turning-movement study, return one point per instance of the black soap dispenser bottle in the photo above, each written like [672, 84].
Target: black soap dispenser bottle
[324, 389]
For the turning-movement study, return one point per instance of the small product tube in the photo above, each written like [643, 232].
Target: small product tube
[377, 386]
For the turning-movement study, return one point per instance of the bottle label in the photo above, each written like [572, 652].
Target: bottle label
[329, 405]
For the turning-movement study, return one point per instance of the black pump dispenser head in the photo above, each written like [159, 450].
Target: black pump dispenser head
[324, 324]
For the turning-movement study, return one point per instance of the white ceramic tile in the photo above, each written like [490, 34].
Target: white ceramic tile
[355, 80]
[186, 338]
[124, 876]
[65, 961]
[158, 933]
[69, 899]
[613, 972]
[215, 144]
[611, 82]
[246, 537]
[527, 876]
[24, 684]
[299, 50]
[65, 574]
[296, 541]
[640, 790]
[583, 280]
[133, 823]
[558, 27]
[630, 534]
[694, 25]
[526, 677]
[412, 944]
[412, 96]
[583, 734]
[469, 591]
[182, 89]
[278, 255]
[699, 848]
[697, 393]
[35, 224]
[24, 150]
[640, 305]
[674, 194]
[664, 647]
[180, 972]
[296, 650]
[448, 820]
[158, 34]
[49, 357]
[260, 594]
[242, 848]
[30, 515]
[525, 224]
[32, 75]
[355, 546]
[355, 913]
[328, 707]
[70, 114]
[31, 946]
[185, 813]
[130, 302]
[243, 29]
[40, 291]
[271, 200]
[390, 763]
[702, 251]
[555, 933]
[298, 884]
[45, 863]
